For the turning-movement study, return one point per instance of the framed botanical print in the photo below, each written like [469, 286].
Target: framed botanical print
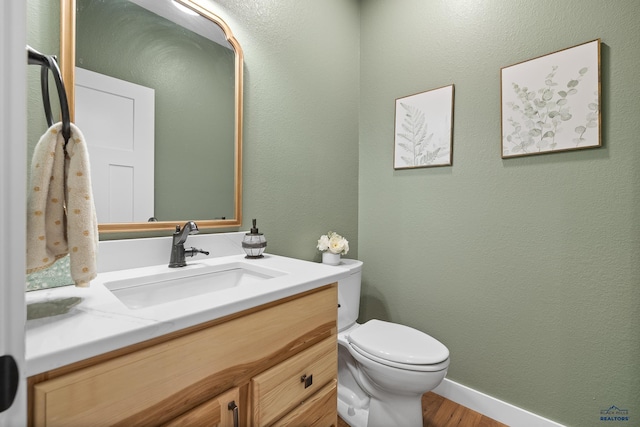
[424, 129]
[552, 103]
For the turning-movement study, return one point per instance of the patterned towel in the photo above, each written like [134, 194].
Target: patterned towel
[61, 216]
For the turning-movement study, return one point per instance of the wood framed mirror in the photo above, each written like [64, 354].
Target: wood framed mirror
[197, 157]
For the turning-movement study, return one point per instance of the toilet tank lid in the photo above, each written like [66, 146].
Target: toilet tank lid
[353, 265]
[398, 343]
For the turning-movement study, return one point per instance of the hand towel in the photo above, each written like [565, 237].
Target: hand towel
[61, 216]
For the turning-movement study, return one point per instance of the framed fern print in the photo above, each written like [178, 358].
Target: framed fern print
[424, 129]
[552, 103]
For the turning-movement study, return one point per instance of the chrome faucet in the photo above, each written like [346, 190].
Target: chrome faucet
[178, 252]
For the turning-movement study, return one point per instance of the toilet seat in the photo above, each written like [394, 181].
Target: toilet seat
[398, 346]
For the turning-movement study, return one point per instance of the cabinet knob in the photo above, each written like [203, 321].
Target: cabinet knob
[307, 380]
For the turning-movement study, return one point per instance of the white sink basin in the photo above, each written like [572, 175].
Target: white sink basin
[185, 282]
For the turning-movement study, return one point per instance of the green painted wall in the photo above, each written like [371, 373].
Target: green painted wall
[43, 34]
[527, 269]
[301, 119]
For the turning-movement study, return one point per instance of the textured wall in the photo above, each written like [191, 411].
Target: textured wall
[301, 119]
[527, 269]
[43, 34]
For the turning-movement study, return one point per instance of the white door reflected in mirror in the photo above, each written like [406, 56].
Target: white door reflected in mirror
[117, 119]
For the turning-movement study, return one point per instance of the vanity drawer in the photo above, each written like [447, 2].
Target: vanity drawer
[287, 385]
[318, 411]
[217, 412]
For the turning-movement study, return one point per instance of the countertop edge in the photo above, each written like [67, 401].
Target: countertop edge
[130, 329]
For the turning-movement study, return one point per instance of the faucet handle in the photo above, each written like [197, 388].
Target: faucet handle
[194, 251]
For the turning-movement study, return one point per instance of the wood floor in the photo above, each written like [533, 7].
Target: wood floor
[441, 412]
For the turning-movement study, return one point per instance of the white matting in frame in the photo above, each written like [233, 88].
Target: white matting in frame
[424, 129]
[552, 103]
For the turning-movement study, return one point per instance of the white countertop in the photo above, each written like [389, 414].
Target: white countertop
[100, 322]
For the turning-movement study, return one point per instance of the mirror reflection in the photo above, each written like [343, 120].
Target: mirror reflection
[158, 98]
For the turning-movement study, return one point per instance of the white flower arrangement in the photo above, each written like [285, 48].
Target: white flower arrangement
[334, 243]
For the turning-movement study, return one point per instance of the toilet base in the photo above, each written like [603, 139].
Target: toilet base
[355, 417]
[394, 411]
[353, 402]
[391, 412]
[355, 405]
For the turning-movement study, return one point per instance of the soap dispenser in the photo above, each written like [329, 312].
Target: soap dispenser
[254, 243]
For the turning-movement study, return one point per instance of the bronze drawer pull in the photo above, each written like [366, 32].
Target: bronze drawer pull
[307, 380]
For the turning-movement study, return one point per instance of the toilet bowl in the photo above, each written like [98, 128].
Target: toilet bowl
[383, 368]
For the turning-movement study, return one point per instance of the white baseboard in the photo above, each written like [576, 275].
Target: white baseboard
[491, 407]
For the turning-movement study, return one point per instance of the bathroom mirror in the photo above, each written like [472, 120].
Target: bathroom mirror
[196, 76]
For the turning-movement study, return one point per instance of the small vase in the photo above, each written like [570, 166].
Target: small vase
[330, 258]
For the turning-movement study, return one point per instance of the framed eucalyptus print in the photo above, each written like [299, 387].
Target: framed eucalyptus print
[552, 103]
[424, 129]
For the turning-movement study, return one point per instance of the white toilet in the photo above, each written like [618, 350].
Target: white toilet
[383, 368]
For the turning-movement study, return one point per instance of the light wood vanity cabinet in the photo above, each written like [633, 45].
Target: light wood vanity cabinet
[275, 365]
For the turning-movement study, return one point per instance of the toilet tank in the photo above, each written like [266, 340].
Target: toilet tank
[349, 294]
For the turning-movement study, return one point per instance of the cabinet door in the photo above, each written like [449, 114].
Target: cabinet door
[221, 411]
[288, 384]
